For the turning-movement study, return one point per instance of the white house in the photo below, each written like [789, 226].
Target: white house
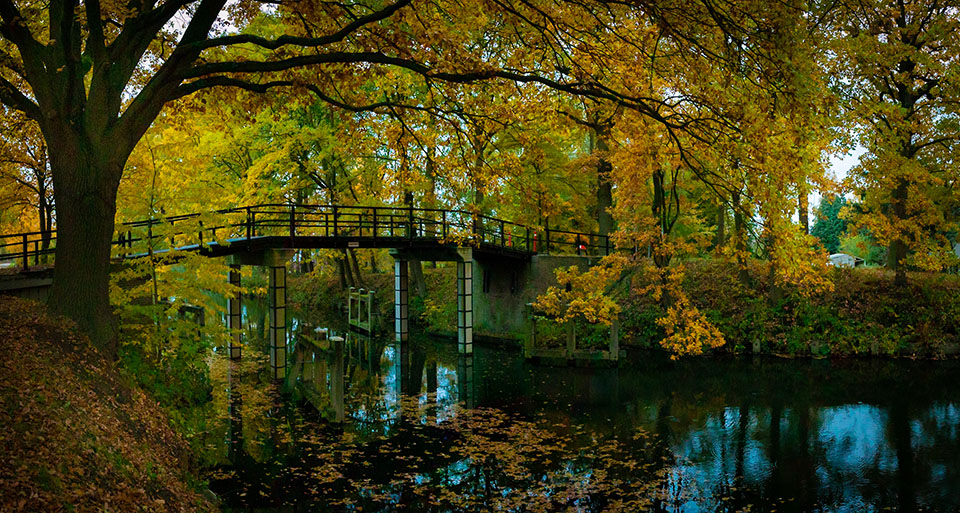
[845, 260]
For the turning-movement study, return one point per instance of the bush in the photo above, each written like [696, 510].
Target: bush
[866, 313]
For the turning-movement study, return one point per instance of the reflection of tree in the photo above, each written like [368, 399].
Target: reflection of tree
[935, 448]
[899, 426]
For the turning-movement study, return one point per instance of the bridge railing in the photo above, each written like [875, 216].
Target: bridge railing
[26, 249]
[192, 231]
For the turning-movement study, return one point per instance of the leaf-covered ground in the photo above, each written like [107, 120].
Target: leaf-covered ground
[75, 435]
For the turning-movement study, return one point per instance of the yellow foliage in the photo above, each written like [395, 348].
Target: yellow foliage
[583, 293]
[688, 331]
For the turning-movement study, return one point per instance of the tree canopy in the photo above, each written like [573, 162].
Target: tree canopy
[683, 128]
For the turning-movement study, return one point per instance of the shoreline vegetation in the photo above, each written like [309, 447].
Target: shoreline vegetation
[865, 314]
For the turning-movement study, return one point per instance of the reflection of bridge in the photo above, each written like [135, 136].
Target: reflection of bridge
[319, 364]
[267, 235]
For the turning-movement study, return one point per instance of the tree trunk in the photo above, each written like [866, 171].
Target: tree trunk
[346, 280]
[897, 252]
[85, 191]
[358, 278]
[417, 282]
[740, 233]
[721, 236]
[604, 187]
[775, 293]
[803, 210]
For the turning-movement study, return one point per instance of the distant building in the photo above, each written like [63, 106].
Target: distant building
[845, 260]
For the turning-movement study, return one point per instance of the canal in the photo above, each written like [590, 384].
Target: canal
[371, 425]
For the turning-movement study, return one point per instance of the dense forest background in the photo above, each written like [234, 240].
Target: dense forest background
[688, 132]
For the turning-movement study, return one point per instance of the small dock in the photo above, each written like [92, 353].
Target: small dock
[570, 354]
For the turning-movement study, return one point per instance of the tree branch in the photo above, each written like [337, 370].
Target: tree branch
[273, 44]
[13, 98]
[222, 81]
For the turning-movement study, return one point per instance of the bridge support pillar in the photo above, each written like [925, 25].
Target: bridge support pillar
[401, 289]
[278, 321]
[465, 301]
[235, 314]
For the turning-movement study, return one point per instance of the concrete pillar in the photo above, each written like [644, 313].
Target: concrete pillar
[401, 289]
[465, 301]
[235, 314]
[278, 321]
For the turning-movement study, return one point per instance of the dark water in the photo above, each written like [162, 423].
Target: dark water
[370, 425]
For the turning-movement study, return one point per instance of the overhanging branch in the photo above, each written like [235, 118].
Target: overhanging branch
[273, 44]
[222, 81]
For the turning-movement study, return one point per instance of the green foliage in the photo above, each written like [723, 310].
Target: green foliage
[829, 227]
[863, 246]
[170, 314]
[865, 315]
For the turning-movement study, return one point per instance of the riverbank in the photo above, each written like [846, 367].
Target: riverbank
[864, 315]
[77, 436]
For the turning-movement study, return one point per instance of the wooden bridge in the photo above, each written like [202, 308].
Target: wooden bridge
[298, 226]
[267, 235]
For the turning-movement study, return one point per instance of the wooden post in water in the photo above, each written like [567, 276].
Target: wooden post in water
[571, 338]
[350, 295]
[531, 341]
[278, 321]
[370, 313]
[615, 339]
[235, 314]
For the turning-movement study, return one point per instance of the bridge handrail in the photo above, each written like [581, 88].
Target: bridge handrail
[378, 221]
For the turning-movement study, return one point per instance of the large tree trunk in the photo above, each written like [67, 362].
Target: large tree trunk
[897, 252]
[418, 284]
[85, 191]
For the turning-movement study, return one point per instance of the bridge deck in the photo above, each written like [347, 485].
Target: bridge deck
[296, 226]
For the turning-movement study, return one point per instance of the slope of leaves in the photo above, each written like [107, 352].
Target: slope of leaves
[76, 437]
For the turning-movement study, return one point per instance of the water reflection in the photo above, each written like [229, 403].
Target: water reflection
[372, 424]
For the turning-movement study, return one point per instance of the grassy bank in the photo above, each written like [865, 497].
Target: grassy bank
[77, 436]
[864, 315]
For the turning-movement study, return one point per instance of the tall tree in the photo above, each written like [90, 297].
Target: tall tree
[96, 75]
[25, 179]
[898, 62]
[829, 226]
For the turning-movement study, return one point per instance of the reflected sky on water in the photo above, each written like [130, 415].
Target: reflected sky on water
[369, 424]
